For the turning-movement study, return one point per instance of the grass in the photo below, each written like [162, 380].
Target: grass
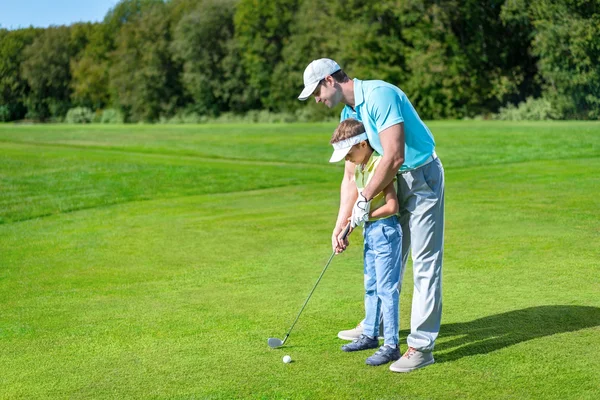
[155, 261]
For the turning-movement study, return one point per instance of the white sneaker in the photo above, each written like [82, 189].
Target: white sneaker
[411, 360]
[353, 334]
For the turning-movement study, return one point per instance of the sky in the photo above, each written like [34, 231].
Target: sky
[16, 14]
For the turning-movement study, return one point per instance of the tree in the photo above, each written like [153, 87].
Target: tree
[361, 36]
[200, 43]
[13, 86]
[567, 42]
[46, 69]
[143, 77]
[463, 60]
[90, 70]
[262, 28]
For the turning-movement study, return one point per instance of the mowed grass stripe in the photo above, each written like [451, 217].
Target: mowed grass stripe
[38, 183]
[304, 143]
[39, 147]
[460, 143]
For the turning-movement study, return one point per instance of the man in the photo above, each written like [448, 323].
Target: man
[395, 131]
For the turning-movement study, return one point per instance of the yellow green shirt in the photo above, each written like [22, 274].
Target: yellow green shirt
[362, 176]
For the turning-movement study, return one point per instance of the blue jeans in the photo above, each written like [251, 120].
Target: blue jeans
[382, 269]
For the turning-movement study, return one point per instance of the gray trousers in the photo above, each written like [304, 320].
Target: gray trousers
[421, 199]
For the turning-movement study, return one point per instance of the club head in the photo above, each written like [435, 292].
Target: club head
[275, 343]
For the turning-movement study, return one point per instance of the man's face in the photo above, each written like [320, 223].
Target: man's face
[327, 92]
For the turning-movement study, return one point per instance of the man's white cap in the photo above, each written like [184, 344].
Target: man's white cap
[341, 148]
[317, 70]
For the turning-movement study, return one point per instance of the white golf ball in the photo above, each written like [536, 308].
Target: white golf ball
[287, 359]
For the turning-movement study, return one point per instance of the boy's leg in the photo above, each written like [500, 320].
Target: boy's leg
[388, 265]
[368, 338]
[389, 272]
[372, 304]
[387, 242]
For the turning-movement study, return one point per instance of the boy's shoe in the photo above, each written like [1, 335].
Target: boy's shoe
[384, 355]
[411, 360]
[353, 334]
[362, 343]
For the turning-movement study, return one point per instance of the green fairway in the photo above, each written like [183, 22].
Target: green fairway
[153, 262]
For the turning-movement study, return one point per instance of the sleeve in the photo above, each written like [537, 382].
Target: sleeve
[384, 107]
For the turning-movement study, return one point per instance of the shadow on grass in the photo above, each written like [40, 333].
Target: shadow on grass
[495, 332]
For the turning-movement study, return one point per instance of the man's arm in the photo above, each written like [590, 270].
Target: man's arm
[392, 141]
[348, 195]
[391, 203]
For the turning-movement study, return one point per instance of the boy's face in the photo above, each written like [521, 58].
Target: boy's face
[359, 153]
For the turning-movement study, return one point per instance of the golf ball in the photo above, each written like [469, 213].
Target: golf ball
[287, 359]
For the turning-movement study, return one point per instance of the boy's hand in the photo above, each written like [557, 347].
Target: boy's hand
[337, 244]
[360, 211]
[339, 239]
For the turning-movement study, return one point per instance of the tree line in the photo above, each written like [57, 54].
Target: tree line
[153, 59]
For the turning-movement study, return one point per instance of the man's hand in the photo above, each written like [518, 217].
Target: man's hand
[360, 211]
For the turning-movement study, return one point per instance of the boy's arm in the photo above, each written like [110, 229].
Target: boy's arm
[348, 195]
[391, 205]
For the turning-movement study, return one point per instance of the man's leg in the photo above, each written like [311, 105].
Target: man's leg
[427, 228]
[423, 192]
[404, 221]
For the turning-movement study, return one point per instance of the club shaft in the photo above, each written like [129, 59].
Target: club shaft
[344, 235]
[310, 294]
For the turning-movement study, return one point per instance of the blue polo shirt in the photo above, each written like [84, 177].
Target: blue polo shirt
[379, 105]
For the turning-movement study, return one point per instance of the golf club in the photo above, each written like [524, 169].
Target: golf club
[275, 342]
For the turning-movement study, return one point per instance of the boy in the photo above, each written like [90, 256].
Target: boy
[382, 246]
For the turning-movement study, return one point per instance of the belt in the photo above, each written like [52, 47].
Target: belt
[429, 159]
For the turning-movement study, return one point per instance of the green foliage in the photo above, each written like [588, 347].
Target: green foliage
[462, 59]
[313, 112]
[530, 110]
[166, 60]
[262, 28]
[567, 44]
[13, 85]
[79, 115]
[565, 39]
[112, 116]
[256, 116]
[143, 77]
[188, 117]
[5, 113]
[90, 70]
[200, 43]
[46, 69]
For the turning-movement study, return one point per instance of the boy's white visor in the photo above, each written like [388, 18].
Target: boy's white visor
[341, 148]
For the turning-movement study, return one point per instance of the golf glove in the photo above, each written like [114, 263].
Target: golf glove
[360, 211]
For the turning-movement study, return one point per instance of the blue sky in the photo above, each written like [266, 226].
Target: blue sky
[43, 13]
